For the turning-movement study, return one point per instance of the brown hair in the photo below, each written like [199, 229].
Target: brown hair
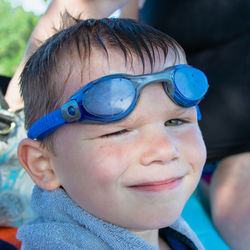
[41, 79]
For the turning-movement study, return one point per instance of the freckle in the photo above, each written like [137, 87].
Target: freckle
[105, 149]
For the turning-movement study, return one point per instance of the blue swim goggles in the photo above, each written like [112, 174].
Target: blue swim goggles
[112, 98]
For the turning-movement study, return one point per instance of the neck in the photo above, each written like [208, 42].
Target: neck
[152, 237]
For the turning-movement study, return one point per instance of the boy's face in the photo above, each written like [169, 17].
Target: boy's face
[136, 173]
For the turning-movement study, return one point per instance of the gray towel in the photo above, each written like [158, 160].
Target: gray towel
[64, 225]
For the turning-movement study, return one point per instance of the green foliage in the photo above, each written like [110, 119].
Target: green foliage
[16, 26]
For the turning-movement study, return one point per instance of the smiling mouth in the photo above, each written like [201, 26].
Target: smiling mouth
[157, 186]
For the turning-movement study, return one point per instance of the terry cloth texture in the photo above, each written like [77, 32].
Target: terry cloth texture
[62, 224]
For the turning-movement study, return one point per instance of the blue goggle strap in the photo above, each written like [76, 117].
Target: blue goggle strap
[46, 125]
[199, 116]
[68, 113]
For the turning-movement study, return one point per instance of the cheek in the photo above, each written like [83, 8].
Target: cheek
[195, 149]
[107, 161]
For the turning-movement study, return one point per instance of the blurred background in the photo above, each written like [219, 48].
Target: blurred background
[17, 20]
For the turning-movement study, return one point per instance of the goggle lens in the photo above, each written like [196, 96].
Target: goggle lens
[189, 83]
[109, 98]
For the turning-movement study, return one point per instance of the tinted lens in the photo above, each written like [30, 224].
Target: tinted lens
[110, 97]
[190, 82]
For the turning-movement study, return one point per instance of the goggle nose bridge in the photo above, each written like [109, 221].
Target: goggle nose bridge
[144, 80]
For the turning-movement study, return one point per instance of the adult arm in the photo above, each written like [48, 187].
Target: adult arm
[229, 197]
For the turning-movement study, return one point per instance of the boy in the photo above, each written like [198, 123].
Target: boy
[114, 145]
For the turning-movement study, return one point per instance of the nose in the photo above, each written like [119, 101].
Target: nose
[160, 148]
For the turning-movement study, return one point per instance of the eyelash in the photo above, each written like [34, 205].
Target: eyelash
[168, 123]
[117, 133]
[179, 122]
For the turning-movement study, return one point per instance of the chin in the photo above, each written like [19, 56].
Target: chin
[156, 220]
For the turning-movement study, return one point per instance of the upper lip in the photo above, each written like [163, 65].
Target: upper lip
[157, 183]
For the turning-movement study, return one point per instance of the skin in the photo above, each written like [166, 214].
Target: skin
[230, 185]
[162, 144]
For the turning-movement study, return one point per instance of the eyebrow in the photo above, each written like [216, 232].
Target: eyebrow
[182, 110]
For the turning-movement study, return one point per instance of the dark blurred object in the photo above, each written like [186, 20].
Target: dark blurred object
[7, 119]
[216, 37]
[6, 246]
[4, 82]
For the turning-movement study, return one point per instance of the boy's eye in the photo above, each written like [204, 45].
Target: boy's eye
[173, 122]
[117, 133]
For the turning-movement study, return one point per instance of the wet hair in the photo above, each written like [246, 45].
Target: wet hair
[43, 78]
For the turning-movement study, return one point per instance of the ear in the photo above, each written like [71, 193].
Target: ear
[37, 162]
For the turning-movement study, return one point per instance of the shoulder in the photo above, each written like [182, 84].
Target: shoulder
[57, 235]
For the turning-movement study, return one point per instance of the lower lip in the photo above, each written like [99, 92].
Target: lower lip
[157, 187]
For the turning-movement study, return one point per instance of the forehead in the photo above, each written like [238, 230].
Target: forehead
[100, 65]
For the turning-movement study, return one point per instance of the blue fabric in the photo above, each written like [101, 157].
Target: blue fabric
[175, 244]
[210, 167]
[200, 222]
[63, 225]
